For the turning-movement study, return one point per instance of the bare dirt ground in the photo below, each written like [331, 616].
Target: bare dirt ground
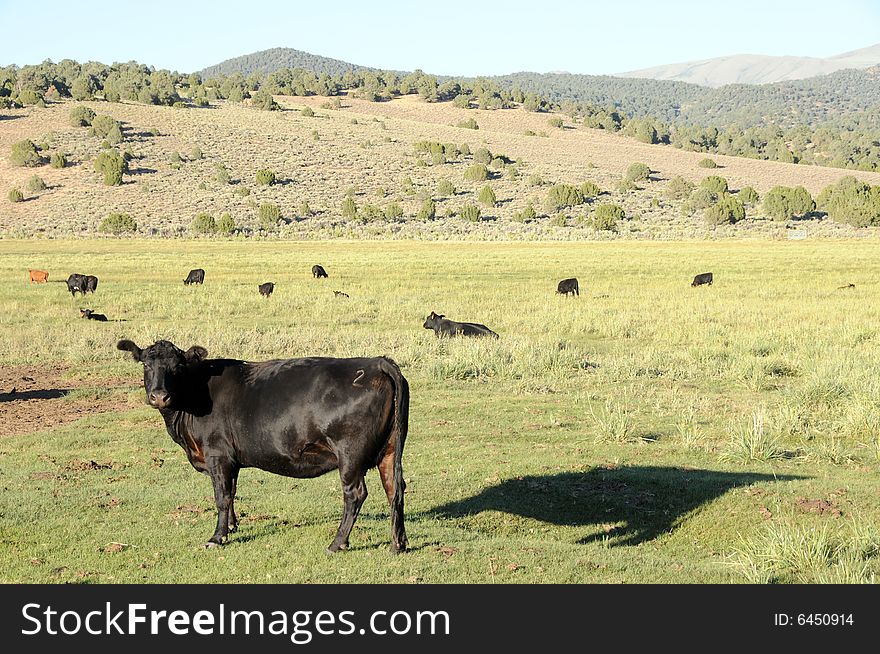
[36, 398]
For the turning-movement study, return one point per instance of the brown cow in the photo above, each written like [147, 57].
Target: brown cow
[39, 276]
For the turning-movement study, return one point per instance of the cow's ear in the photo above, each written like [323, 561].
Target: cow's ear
[129, 346]
[195, 354]
[442, 315]
[433, 315]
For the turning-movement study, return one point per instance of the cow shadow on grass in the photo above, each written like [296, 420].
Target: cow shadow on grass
[635, 503]
[36, 394]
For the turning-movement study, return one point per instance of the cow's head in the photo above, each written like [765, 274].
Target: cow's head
[433, 320]
[165, 367]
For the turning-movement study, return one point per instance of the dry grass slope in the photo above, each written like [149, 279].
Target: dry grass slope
[361, 148]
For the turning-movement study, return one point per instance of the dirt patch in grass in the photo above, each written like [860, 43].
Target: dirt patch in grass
[34, 398]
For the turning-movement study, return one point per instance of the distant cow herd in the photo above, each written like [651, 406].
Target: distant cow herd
[299, 418]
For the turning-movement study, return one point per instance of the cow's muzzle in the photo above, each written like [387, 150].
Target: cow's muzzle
[159, 399]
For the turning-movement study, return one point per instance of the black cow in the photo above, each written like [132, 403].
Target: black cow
[295, 417]
[567, 286]
[196, 276]
[76, 283]
[91, 315]
[91, 283]
[339, 294]
[443, 327]
[702, 278]
[318, 272]
[267, 288]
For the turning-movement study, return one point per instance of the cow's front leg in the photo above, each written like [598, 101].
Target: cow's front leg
[222, 473]
[233, 519]
[354, 491]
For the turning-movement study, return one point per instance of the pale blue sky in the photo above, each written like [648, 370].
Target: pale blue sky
[449, 37]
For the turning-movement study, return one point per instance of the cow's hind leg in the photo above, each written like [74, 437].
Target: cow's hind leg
[222, 473]
[386, 473]
[354, 491]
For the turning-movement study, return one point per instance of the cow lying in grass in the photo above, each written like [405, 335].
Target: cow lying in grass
[443, 327]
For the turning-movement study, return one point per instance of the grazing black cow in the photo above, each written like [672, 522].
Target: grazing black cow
[91, 283]
[567, 286]
[76, 283]
[443, 327]
[196, 276]
[267, 288]
[295, 417]
[340, 294]
[702, 278]
[91, 315]
[318, 272]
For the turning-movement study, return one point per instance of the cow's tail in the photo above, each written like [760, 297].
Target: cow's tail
[398, 433]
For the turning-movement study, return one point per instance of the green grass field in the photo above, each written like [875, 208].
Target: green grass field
[644, 432]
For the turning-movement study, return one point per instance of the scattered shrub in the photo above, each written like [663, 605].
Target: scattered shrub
[465, 150]
[535, 180]
[241, 191]
[638, 172]
[349, 208]
[221, 173]
[784, 203]
[307, 112]
[559, 220]
[748, 195]
[470, 212]
[24, 153]
[112, 165]
[203, 223]
[528, 213]
[265, 177]
[15, 195]
[102, 125]
[226, 225]
[563, 195]
[727, 210]
[428, 210]
[118, 223]
[707, 163]
[304, 209]
[470, 123]
[370, 212]
[590, 190]
[445, 188]
[607, 216]
[393, 211]
[555, 121]
[262, 99]
[851, 201]
[58, 160]
[624, 185]
[196, 154]
[483, 156]
[679, 188]
[269, 215]
[476, 173]
[487, 196]
[175, 157]
[35, 184]
[717, 185]
[81, 116]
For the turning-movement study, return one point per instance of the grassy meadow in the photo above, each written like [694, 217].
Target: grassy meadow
[646, 431]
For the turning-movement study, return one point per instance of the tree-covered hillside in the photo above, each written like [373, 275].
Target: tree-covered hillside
[268, 61]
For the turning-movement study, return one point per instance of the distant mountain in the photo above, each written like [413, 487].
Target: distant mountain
[267, 61]
[757, 69]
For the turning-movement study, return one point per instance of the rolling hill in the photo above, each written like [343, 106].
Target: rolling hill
[267, 61]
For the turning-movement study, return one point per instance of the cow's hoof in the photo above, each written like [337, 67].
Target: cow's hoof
[210, 545]
[335, 548]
